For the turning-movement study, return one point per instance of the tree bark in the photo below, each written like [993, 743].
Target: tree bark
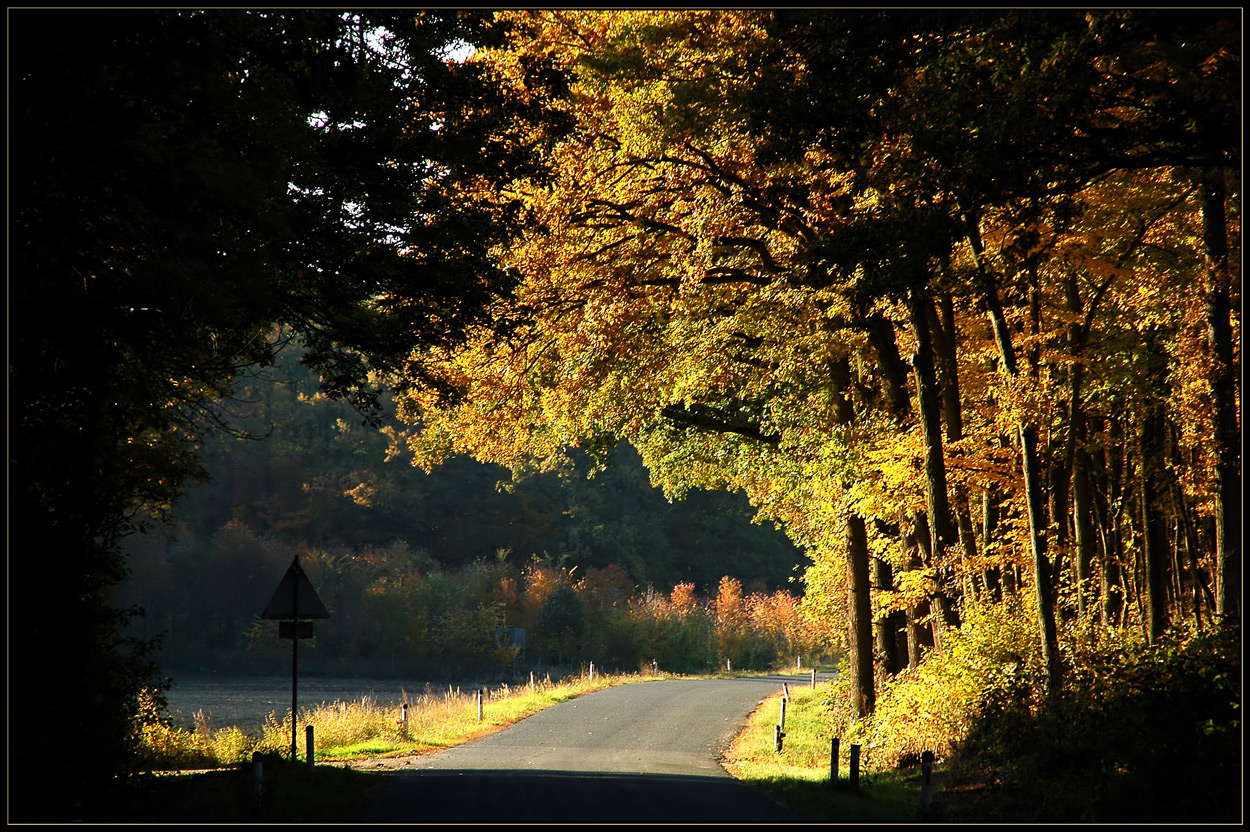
[1154, 534]
[888, 627]
[1078, 457]
[921, 634]
[1190, 535]
[1082, 515]
[945, 349]
[989, 534]
[1106, 512]
[1224, 397]
[941, 528]
[859, 614]
[859, 599]
[889, 364]
[1047, 629]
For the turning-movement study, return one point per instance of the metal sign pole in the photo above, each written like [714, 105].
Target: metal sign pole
[285, 607]
[294, 662]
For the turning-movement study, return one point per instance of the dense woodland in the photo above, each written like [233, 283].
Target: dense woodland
[952, 297]
[418, 569]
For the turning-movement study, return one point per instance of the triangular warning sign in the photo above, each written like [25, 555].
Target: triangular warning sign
[295, 597]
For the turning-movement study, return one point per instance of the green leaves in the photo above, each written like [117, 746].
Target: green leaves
[744, 203]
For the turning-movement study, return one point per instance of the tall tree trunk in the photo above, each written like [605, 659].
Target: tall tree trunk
[1106, 509]
[893, 371]
[989, 535]
[1035, 499]
[938, 505]
[1078, 457]
[1055, 462]
[859, 600]
[945, 348]
[1082, 516]
[1177, 600]
[1154, 532]
[1224, 396]
[919, 632]
[1190, 535]
[888, 627]
[863, 688]
[890, 364]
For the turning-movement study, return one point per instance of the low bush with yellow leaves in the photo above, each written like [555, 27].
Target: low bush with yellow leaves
[931, 707]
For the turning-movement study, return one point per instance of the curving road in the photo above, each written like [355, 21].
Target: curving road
[638, 753]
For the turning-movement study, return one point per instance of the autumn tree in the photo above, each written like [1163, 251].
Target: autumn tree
[192, 189]
[758, 213]
[1011, 119]
[666, 289]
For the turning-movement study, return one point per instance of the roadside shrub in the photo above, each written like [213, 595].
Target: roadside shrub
[1140, 734]
[931, 707]
[166, 747]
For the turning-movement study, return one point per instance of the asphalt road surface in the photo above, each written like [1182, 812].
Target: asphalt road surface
[637, 753]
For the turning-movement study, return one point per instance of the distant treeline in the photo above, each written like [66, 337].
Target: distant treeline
[416, 567]
[396, 610]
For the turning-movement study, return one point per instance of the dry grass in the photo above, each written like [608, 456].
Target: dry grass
[431, 721]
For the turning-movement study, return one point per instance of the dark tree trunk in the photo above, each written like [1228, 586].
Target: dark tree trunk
[924, 633]
[889, 364]
[1106, 469]
[945, 348]
[1083, 518]
[1224, 397]
[989, 534]
[931, 429]
[859, 600]
[1047, 628]
[1111, 582]
[1154, 532]
[1057, 456]
[1078, 458]
[863, 688]
[1190, 536]
[1041, 564]
[889, 626]
[942, 533]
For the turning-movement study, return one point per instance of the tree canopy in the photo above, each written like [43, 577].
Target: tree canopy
[941, 292]
[189, 190]
[953, 296]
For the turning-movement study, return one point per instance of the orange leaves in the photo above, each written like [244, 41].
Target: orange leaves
[362, 494]
[728, 607]
[683, 601]
[678, 291]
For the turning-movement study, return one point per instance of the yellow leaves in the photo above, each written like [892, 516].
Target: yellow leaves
[362, 494]
[667, 266]
[891, 481]
[1023, 399]
[911, 588]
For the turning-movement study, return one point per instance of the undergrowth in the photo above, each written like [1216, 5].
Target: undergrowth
[1138, 733]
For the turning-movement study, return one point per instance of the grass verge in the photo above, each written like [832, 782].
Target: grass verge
[206, 775]
[800, 774]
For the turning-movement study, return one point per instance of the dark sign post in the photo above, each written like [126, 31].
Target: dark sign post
[293, 601]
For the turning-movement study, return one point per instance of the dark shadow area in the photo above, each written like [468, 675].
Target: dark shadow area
[451, 796]
[1150, 737]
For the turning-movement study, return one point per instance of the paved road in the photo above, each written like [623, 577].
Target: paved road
[637, 753]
